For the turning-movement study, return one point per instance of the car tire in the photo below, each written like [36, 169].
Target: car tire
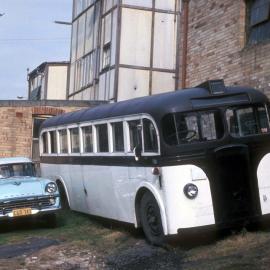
[151, 220]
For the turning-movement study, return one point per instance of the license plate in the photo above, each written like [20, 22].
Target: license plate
[22, 212]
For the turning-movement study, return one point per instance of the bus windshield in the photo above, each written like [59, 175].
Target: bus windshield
[179, 128]
[247, 120]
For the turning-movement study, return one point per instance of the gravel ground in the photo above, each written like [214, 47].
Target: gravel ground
[94, 245]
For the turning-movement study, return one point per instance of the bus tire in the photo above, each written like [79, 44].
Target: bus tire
[151, 219]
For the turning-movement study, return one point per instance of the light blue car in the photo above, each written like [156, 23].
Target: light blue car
[22, 193]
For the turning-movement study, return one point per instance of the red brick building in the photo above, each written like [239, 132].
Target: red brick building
[228, 40]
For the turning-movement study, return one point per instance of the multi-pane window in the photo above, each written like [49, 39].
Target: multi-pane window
[53, 142]
[80, 5]
[102, 138]
[150, 136]
[118, 137]
[135, 134]
[87, 135]
[85, 46]
[63, 142]
[108, 4]
[74, 140]
[259, 20]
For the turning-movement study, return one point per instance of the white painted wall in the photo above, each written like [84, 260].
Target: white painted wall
[136, 37]
[163, 82]
[57, 82]
[140, 3]
[165, 40]
[133, 83]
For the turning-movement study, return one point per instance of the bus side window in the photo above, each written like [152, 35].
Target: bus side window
[102, 138]
[63, 141]
[150, 136]
[87, 139]
[118, 137]
[135, 134]
[263, 119]
[74, 140]
[45, 142]
[53, 142]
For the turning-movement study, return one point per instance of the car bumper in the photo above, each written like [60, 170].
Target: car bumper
[9, 213]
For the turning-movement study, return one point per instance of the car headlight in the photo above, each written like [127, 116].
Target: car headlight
[51, 187]
[191, 191]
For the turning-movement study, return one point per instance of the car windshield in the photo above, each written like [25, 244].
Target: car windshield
[248, 120]
[181, 128]
[17, 170]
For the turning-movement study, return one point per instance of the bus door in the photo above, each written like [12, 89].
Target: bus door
[233, 185]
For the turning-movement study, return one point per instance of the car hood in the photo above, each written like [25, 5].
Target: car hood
[19, 187]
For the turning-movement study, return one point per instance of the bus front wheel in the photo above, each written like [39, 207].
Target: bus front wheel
[151, 219]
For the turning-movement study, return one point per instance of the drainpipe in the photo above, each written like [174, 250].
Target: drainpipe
[185, 42]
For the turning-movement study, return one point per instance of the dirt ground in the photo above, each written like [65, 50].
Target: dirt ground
[81, 242]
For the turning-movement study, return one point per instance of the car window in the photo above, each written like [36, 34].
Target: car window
[4, 171]
[17, 170]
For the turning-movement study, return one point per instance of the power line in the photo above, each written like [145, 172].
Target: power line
[33, 39]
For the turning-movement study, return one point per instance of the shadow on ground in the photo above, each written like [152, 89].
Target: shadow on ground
[83, 242]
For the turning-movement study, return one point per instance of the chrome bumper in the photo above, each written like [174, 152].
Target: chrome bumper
[39, 205]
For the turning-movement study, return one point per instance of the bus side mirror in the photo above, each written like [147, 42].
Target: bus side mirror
[138, 152]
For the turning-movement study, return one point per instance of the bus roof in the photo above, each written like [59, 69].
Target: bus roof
[159, 105]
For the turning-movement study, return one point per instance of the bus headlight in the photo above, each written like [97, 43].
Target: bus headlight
[51, 187]
[191, 191]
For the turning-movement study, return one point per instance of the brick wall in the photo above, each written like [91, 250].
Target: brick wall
[217, 46]
[16, 125]
[16, 122]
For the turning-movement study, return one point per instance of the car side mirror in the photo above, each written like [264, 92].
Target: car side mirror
[137, 152]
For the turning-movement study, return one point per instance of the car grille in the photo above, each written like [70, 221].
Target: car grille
[34, 203]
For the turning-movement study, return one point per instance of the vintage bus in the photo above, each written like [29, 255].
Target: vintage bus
[167, 162]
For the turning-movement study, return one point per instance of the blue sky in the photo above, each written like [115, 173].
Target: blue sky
[29, 37]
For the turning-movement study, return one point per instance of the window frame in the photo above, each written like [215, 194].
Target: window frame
[198, 114]
[257, 25]
[58, 135]
[255, 111]
[143, 140]
[69, 127]
[41, 146]
[108, 137]
[82, 140]
[112, 137]
[109, 123]
[50, 142]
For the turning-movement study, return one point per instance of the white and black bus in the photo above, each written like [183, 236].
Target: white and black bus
[167, 162]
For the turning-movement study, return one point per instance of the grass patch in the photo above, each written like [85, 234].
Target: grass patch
[74, 227]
